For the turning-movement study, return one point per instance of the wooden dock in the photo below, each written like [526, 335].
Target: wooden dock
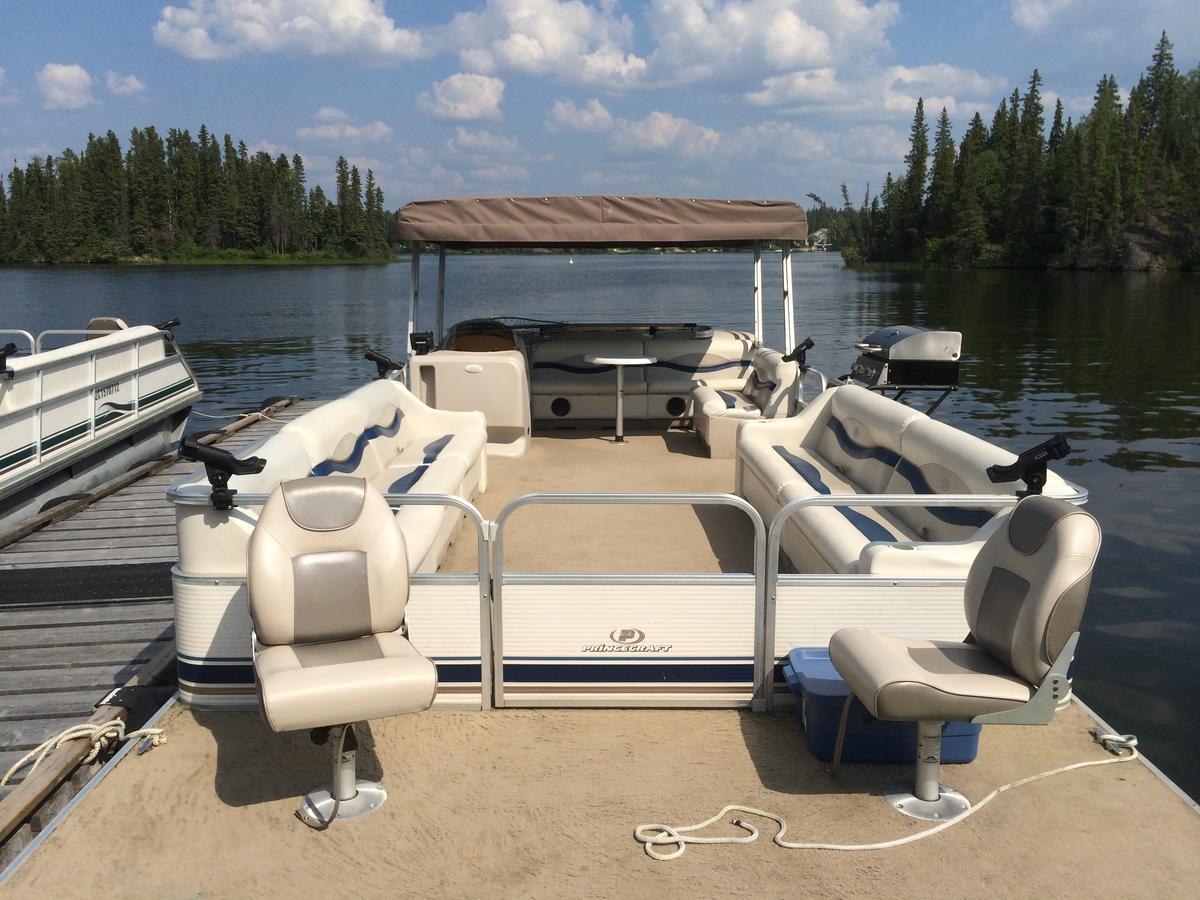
[85, 600]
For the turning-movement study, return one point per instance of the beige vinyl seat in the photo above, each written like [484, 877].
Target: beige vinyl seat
[1024, 599]
[766, 393]
[327, 578]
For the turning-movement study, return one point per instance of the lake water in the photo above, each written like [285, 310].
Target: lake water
[1110, 360]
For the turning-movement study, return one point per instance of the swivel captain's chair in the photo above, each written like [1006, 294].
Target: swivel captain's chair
[1024, 597]
[327, 582]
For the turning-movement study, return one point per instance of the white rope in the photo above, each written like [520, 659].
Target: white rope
[103, 736]
[679, 836]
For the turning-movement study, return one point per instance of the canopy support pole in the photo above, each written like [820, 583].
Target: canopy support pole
[413, 298]
[441, 295]
[789, 311]
[758, 300]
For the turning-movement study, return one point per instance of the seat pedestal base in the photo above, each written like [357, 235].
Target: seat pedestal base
[948, 804]
[317, 806]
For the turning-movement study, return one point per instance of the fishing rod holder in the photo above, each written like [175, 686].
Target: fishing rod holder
[219, 465]
[1030, 466]
[383, 364]
[800, 354]
[6, 351]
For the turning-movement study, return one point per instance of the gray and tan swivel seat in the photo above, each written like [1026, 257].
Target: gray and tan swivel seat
[328, 582]
[1024, 597]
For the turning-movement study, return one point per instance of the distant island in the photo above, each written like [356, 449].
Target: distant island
[185, 199]
[1119, 189]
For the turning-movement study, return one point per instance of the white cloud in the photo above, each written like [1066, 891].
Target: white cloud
[703, 39]
[222, 29]
[1036, 15]
[571, 40]
[124, 85]
[483, 143]
[592, 116]
[464, 96]
[331, 114]
[661, 132]
[892, 92]
[65, 87]
[334, 125]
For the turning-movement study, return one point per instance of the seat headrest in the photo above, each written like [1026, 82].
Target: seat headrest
[324, 504]
[1033, 520]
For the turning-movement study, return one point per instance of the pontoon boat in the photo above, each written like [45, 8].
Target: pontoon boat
[74, 416]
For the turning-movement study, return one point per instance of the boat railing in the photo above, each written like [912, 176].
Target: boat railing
[501, 578]
[17, 332]
[39, 344]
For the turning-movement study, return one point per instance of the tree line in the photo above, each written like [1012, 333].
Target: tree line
[183, 197]
[1117, 189]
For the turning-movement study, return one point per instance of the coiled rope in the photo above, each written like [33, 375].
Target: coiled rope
[653, 835]
[103, 736]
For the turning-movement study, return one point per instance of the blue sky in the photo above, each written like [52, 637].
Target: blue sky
[764, 98]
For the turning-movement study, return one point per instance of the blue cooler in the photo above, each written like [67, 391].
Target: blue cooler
[821, 693]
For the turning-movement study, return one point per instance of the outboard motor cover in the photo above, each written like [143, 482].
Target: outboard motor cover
[908, 356]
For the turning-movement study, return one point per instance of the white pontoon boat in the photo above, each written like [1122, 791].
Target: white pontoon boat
[74, 416]
[878, 508]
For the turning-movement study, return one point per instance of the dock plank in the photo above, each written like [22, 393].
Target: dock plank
[85, 635]
[46, 706]
[32, 659]
[54, 681]
[53, 616]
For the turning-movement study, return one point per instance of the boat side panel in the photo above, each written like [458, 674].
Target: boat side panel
[216, 666]
[676, 642]
[808, 610]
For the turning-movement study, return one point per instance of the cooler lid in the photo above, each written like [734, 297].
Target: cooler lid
[815, 672]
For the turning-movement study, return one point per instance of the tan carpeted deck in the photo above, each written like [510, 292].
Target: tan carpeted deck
[543, 804]
[612, 538]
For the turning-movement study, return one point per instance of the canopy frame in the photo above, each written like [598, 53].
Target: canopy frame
[602, 222]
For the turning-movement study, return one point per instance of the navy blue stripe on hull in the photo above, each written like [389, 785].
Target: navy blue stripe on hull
[240, 673]
[649, 672]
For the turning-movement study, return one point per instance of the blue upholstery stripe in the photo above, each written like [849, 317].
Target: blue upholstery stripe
[859, 451]
[661, 364]
[731, 401]
[868, 527]
[405, 483]
[350, 463]
[712, 367]
[574, 370]
[951, 515]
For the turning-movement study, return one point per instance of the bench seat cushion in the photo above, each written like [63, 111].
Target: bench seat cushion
[712, 402]
[837, 533]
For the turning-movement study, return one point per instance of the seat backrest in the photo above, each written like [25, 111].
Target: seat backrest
[720, 360]
[861, 436]
[326, 562]
[1027, 588]
[771, 382]
[333, 435]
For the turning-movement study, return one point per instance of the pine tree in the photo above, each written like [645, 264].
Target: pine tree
[938, 208]
[912, 202]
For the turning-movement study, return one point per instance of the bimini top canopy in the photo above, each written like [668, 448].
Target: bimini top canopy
[600, 222]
